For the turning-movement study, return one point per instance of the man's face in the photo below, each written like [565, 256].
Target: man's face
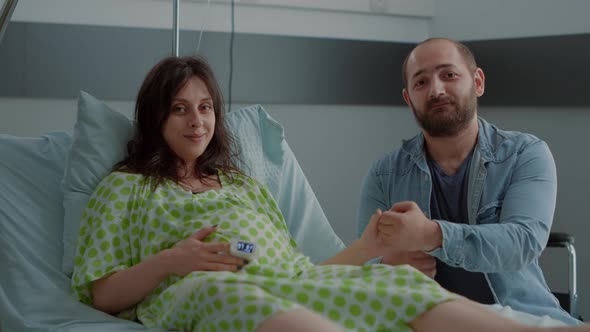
[442, 91]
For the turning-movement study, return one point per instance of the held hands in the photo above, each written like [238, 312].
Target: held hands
[191, 254]
[406, 228]
[405, 233]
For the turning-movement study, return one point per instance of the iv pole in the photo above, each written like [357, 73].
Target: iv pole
[5, 14]
[175, 26]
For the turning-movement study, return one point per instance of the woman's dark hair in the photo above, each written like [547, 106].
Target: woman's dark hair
[148, 153]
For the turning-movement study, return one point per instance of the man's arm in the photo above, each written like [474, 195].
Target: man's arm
[523, 225]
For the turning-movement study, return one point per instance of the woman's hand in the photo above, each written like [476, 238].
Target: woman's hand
[128, 287]
[371, 242]
[191, 254]
[363, 249]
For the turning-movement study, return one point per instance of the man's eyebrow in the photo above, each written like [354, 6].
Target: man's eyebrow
[441, 66]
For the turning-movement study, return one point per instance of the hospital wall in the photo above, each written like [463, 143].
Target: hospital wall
[484, 19]
[335, 145]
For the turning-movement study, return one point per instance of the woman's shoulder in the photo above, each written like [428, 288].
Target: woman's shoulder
[125, 176]
[120, 184]
[123, 179]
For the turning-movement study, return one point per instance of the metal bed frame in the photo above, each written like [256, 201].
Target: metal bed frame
[569, 300]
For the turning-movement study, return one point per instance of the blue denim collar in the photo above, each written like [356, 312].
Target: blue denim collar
[415, 146]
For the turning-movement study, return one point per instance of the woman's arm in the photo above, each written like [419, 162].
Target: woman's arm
[125, 288]
[362, 250]
[355, 254]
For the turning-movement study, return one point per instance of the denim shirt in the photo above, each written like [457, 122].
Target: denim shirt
[511, 200]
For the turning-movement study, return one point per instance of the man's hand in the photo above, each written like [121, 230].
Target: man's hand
[418, 259]
[406, 228]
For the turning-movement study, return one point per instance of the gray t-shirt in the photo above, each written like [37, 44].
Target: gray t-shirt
[449, 202]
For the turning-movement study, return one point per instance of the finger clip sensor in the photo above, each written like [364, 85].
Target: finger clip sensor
[243, 249]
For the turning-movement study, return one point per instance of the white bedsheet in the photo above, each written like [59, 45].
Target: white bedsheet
[525, 318]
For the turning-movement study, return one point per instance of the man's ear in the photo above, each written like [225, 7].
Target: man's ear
[406, 97]
[479, 79]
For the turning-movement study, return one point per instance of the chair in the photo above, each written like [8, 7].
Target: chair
[569, 300]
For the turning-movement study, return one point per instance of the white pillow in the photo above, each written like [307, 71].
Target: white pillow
[100, 140]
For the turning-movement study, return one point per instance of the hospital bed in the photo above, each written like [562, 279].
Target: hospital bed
[47, 180]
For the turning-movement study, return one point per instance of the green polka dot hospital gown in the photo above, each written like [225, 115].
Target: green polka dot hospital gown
[125, 222]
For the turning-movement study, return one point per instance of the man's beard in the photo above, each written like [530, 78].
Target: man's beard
[448, 122]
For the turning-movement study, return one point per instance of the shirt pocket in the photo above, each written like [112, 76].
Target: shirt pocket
[490, 213]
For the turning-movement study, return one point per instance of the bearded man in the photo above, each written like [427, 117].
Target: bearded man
[464, 202]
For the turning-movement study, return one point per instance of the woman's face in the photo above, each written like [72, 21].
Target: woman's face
[191, 122]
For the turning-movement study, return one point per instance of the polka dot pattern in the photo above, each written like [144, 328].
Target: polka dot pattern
[125, 223]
